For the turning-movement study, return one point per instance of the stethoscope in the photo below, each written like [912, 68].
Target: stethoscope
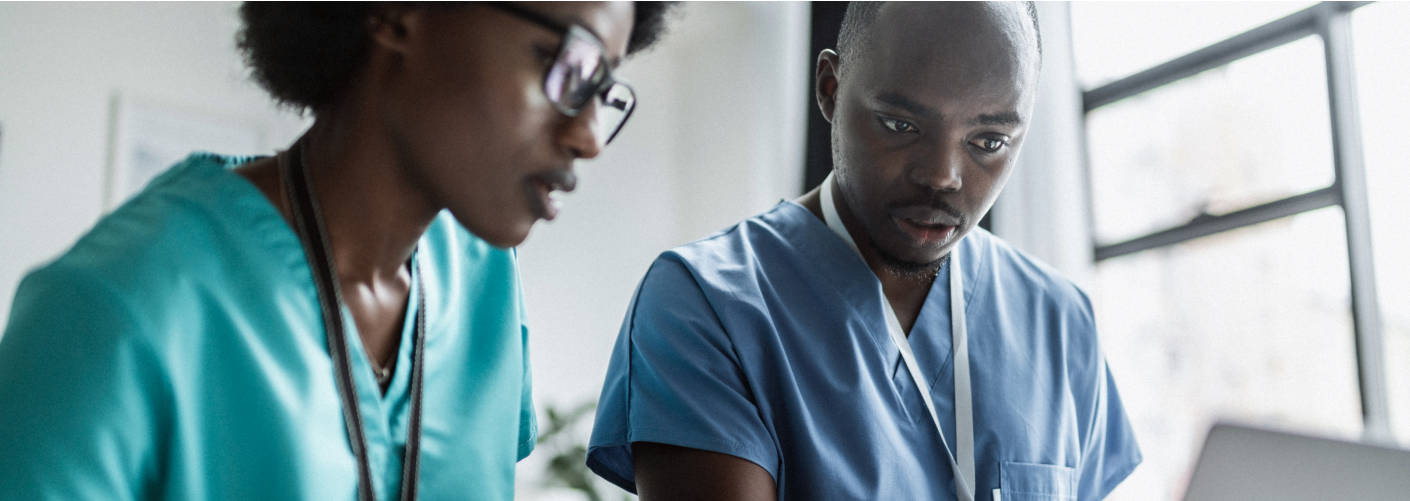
[963, 469]
[308, 224]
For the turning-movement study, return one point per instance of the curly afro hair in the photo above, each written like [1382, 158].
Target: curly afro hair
[305, 53]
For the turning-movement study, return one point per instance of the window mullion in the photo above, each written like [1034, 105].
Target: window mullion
[1335, 29]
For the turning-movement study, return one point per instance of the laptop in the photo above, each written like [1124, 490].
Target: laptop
[1247, 464]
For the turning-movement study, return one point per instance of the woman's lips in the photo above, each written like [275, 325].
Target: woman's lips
[546, 187]
[924, 233]
[547, 204]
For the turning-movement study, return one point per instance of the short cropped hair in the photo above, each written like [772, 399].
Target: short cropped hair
[861, 16]
[306, 53]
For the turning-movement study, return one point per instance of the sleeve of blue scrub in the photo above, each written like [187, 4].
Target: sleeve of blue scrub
[674, 378]
[1110, 452]
[83, 393]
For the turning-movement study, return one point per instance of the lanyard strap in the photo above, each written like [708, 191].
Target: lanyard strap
[308, 222]
[963, 469]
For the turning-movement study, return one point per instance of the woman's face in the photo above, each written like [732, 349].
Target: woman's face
[465, 110]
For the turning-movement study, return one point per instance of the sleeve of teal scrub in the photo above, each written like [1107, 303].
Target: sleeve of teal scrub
[528, 420]
[82, 393]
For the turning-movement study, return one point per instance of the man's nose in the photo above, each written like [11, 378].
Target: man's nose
[943, 169]
[579, 135]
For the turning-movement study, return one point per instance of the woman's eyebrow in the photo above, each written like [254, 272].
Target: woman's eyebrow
[613, 61]
[584, 25]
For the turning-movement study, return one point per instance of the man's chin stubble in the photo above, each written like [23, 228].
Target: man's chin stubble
[919, 272]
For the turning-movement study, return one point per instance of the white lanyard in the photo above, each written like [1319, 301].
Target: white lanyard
[963, 469]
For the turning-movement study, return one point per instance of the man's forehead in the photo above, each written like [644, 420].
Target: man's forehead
[954, 21]
[971, 50]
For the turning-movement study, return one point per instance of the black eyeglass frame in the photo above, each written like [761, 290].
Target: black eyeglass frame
[602, 88]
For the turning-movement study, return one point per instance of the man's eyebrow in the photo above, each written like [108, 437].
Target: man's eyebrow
[1004, 118]
[905, 103]
[984, 119]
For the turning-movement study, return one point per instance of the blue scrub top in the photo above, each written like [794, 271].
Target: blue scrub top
[178, 352]
[767, 342]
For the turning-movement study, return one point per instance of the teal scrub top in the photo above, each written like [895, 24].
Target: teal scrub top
[177, 351]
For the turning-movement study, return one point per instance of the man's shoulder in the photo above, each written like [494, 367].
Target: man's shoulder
[1038, 300]
[766, 243]
[1015, 267]
[745, 238]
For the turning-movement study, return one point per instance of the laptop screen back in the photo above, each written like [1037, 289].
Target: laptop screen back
[1245, 464]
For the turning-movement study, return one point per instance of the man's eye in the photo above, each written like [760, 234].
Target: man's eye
[988, 144]
[897, 125]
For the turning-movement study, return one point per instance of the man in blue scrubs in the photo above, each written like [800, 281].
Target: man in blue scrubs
[866, 341]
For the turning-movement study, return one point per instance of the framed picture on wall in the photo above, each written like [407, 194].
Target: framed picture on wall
[148, 135]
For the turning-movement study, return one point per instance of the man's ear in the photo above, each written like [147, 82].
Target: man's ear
[394, 26]
[826, 78]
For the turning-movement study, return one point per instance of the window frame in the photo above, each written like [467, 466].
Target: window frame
[1331, 21]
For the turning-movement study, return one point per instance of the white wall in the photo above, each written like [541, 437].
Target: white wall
[1044, 210]
[717, 137]
[60, 65]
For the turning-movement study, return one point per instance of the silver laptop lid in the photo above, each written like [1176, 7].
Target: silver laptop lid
[1246, 464]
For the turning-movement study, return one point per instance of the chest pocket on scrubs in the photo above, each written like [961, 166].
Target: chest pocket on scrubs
[1037, 482]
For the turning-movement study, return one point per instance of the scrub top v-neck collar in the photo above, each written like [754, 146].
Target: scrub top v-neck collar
[962, 460]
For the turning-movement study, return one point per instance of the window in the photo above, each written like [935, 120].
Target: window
[1236, 184]
[1381, 43]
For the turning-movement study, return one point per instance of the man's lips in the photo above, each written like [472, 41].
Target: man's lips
[927, 216]
[926, 225]
[924, 233]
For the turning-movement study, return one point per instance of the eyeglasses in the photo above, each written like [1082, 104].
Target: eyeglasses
[580, 73]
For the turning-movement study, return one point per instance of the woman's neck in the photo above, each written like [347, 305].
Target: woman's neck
[374, 212]
[373, 208]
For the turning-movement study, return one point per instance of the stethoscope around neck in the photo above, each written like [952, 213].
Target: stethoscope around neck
[962, 460]
[308, 224]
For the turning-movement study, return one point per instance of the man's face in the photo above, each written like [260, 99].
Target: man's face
[927, 119]
[469, 119]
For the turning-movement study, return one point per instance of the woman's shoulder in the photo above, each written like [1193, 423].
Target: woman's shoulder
[197, 222]
[466, 271]
[446, 241]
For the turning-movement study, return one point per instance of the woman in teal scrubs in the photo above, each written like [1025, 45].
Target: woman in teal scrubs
[343, 320]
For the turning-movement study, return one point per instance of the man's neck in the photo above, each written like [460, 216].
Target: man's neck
[905, 291]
